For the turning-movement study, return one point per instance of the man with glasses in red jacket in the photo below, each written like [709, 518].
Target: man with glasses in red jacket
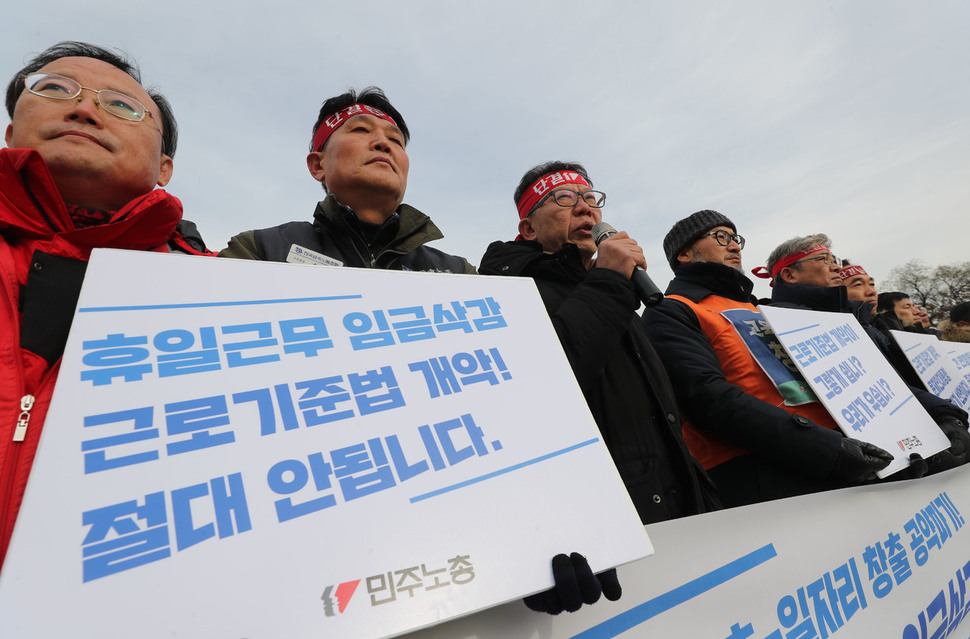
[87, 145]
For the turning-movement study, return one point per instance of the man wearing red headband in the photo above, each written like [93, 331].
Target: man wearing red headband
[802, 260]
[752, 422]
[358, 154]
[805, 274]
[592, 305]
[859, 286]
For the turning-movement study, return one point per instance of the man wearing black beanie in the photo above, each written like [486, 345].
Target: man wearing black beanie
[749, 418]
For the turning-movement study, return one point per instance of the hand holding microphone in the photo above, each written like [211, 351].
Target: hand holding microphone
[647, 291]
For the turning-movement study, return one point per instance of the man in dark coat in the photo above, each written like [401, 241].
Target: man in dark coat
[592, 304]
[749, 419]
[805, 274]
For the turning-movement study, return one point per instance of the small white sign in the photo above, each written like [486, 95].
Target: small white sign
[958, 356]
[251, 449]
[856, 384]
[302, 255]
[928, 356]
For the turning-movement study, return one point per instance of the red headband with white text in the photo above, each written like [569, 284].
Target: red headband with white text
[763, 273]
[852, 271]
[333, 122]
[541, 187]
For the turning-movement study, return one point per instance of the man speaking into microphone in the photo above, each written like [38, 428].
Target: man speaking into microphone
[592, 304]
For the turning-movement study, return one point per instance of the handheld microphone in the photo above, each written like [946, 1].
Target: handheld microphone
[647, 291]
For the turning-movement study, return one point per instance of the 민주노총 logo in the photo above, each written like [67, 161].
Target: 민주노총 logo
[385, 587]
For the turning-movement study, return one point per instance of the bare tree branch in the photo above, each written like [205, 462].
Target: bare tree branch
[938, 289]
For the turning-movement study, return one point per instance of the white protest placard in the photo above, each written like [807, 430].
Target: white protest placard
[856, 384]
[958, 353]
[944, 367]
[928, 356]
[248, 449]
[889, 560]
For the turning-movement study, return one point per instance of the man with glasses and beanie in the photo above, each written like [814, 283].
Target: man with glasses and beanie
[357, 153]
[592, 304]
[748, 417]
[87, 145]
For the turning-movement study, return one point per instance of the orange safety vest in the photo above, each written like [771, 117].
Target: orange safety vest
[741, 369]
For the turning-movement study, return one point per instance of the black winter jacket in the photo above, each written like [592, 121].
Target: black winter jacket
[885, 322]
[791, 454]
[621, 377]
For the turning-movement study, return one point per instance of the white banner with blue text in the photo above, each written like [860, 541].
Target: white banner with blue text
[856, 383]
[885, 561]
[943, 367]
[244, 449]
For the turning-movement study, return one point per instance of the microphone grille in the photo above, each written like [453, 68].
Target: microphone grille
[601, 231]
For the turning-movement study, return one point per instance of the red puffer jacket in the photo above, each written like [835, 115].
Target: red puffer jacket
[42, 262]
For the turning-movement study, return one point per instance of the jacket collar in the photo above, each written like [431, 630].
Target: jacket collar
[29, 201]
[31, 207]
[415, 228]
[526, 258]
[817, 298]
[697, 280]
[833, 299]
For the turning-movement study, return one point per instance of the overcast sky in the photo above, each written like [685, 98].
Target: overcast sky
[848, 118]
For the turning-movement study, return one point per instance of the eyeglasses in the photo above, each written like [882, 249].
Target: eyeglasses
[724, 238]
[827, 258]
[59, 87]
[568, 198]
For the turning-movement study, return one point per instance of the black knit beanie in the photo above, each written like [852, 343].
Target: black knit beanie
[688, 230]
[960, 313]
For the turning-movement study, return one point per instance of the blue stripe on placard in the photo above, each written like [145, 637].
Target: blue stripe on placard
[649, 609]
[893, 411]
[156, 307]
[799, 330]
[530, 462]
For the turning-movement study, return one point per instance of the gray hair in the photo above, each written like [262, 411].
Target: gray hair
[797, 245]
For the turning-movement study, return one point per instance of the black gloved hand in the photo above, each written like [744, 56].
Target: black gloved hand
[959, 437]
[918, 467]
[858, 462]
[959, 451]
[575, 585]
[943, 460]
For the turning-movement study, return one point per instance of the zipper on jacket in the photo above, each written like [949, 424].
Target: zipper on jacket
[353, 242]
[25, 178]
[26, 403]
[373, 258]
